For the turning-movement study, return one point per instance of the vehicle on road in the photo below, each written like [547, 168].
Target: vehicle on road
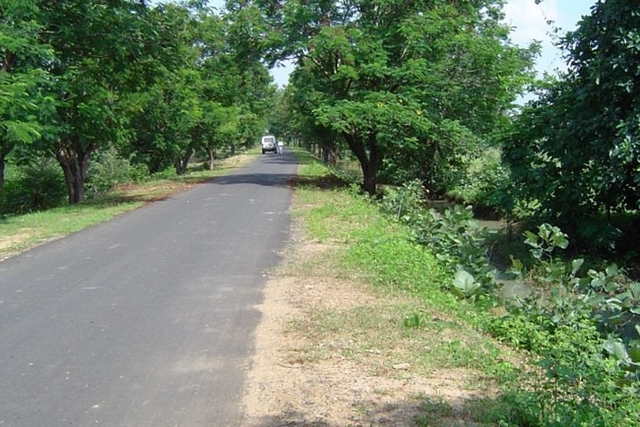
[269, 144]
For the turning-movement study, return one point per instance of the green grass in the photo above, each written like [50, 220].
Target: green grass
[416, 320]
[23, 232]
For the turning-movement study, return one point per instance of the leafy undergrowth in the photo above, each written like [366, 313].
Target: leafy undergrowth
[580, 340]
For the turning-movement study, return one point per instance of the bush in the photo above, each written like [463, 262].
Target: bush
[486, 185]
[35, 186]
[453, 236]
[404, 202]
[108, 169]
[583, 330]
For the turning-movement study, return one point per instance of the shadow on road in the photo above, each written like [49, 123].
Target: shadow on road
[280, 179]
[280, 159]
[264, 179]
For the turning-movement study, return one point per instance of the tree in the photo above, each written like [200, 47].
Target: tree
[399, 81]
[164, 119]
[95, 42]
[576, 150]
[220, 127]
[21, 56]
[162, 105]
[254, 91]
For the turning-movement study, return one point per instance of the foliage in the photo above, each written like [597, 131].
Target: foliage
[35, 186]
[609, 300]
[583, 329]
[457, 240]
[485, 185]
[159, 81]
[398, 82]
[110, 169]
[22, 55]
[88, 75]
[574, 152]
[404, 202]
[454, 237]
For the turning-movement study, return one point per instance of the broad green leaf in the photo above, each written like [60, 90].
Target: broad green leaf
[576, 264]
[618, 349]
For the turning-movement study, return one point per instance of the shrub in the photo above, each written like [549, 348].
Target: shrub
[404, 202]
[454, 237]
[109, 169]
[486, 186]
[578, 327]
[37, 185]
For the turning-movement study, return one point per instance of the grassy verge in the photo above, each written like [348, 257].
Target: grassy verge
[19, 233]
[412, 319]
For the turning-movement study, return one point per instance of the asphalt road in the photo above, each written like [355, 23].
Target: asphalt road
[149, 319]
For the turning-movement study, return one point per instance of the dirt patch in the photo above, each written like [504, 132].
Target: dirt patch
[309, 371]
[10, 245]
[7, 242]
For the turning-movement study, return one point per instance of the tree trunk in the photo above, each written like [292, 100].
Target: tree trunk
[211, 154]
[329, 155]
[154, 165]
[181, 163]
[2, 162]
[74, 166]
[370, 157]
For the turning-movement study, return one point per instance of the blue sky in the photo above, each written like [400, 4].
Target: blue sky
[530, 22]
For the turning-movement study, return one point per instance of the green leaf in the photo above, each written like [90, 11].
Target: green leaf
[464, 284]
[634, 352]
[618, 349]
[612, 270]
[575, 265]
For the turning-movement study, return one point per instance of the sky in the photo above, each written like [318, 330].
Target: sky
[530, 22]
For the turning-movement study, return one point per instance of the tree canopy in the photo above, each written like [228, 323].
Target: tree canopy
[159, 82]
[574, 152]
[22, 56]
[405, 85]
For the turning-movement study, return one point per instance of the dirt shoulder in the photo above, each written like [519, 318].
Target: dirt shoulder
[332, 352]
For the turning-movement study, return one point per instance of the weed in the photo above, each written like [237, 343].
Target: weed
[577, 330]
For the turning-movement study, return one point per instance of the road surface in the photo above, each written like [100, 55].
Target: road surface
[147, 320]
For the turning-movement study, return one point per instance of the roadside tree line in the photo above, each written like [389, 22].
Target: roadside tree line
[427, 90]
[420, 90]
[154, 83]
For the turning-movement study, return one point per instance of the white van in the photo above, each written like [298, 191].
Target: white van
[269, 143]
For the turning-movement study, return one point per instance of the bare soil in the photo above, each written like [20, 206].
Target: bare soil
[315, 367]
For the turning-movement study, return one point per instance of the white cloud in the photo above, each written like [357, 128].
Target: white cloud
[530, 19]
[531, 22]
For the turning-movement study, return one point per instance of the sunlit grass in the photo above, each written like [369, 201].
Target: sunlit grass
[414, 316]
